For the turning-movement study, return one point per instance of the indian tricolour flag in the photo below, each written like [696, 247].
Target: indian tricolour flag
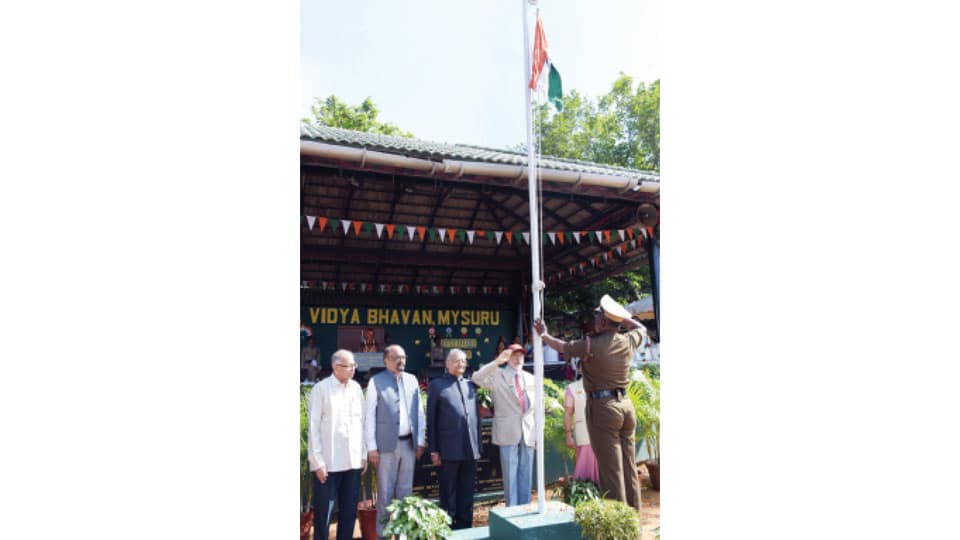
[545, 74]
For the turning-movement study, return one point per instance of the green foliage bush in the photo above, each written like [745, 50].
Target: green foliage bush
[415, 518]
[576, 492]
[306, 477]
[602, 519]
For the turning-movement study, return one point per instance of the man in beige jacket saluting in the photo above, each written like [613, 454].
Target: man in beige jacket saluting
[514, 426]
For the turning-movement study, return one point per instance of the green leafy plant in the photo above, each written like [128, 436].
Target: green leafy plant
[306, 476]
[644, 393]
[415, 518]
[575, 492]
[553, 434]
[484, 398]
[608, 520]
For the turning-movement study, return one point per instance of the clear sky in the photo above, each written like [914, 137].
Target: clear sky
[452, 71]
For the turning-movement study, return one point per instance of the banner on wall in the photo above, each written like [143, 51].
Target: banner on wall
[367, 331]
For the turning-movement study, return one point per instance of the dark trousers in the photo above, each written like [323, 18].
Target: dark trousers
[457, 480]
[611, 423]
[343, 488]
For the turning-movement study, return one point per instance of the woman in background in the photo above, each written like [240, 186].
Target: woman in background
[575, 425]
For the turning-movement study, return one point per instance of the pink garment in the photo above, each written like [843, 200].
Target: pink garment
[585, 467]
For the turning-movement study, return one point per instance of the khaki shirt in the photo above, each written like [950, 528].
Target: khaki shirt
[611, 354]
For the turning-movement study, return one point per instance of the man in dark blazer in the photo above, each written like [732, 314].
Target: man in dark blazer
[453, 438]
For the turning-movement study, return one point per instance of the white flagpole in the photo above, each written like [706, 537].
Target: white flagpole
[536, 284]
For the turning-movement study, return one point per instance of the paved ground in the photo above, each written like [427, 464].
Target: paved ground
[481, 512]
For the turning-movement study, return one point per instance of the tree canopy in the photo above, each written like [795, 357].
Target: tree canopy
[335, 113]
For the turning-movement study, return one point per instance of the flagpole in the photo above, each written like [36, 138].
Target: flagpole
[536, 284]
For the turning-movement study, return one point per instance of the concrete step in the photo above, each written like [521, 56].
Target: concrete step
[476, 533]
[525, 523]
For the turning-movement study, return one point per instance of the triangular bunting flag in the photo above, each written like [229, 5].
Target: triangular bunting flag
[421, 230]
[606, 234]
[343, 285]
[470, 235]
[599, 238]
[451, 233]
[499, 235]
[619, 251]
[346, 226]
[443, 232]
[581, 267]
[650, 231]
[553, 237]
[576, 237]
[363, 287]
[620, 232]
[630, 233]
[605, 257]
[390, 228]
[560, 237]
[323, 223]
[411, 231]
[526, 237]
[379, 227]
[644, 234]
[481, 233]
[509, 238]
[633, 244]
[310, 221]
[356, 226]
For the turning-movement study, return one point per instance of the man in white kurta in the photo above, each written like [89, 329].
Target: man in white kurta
[336, 448]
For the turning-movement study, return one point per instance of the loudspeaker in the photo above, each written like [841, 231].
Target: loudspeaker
[648, 215]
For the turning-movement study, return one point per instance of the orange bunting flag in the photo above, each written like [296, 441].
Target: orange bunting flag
[423, 232]
[356, 226]
[606, 235]
[451, 233]
[509, 235]
[323, 222]
[390, 228]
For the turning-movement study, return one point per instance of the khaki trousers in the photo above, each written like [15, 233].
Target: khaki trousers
[611, 423]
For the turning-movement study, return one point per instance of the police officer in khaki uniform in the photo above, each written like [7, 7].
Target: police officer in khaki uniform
[611, 421]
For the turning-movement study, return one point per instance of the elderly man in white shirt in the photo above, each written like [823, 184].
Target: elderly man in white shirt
[336, 448]
[394, 429]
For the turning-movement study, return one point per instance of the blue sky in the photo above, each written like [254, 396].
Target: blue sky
[453, 71]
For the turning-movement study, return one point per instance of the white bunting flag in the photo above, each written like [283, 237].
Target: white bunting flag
[310, 221]
[599, 236]
[526, 238]
[633, 244]
[619, 251]
[644, 233]
[499, 236]
[576, 236]
[363, 287]
[411, 230]
[443, 232]
[343, 285]
[379, 229]
[605, 257]
[622, 237]
[553, 237]
[346, 226]
[470, 235]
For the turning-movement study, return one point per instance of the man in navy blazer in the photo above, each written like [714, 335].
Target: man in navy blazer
[453, 438]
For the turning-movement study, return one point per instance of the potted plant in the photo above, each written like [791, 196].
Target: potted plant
[553, 434]
[644, 393]
[367, 507]
[485, 402]
[306, 475]
[415, 518]
[607, 520]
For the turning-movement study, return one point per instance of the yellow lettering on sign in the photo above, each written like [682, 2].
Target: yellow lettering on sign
[329, 315]
[394, 317]
[416, 317]
[355, 319]
[406, 315]
[494, 318]
[427, 317]
[343, 314]
[443, 317]
[456, 317]
[314, 313]
[371, 316]
[485, 317]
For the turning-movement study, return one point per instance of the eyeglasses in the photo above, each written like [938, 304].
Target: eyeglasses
[347, 366]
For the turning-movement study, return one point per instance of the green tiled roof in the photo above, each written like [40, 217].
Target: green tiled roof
[438, 151]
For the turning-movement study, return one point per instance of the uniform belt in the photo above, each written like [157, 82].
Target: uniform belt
[616, 392]
[405, 437]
